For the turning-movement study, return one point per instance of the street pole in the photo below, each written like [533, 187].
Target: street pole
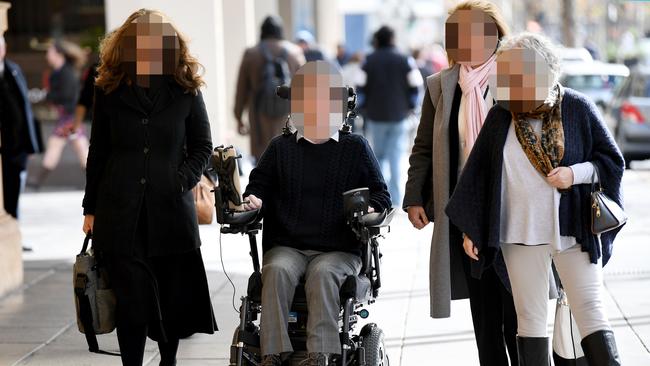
[568, 23]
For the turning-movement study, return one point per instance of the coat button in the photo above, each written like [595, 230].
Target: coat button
[146, 150]
[145, 121]
[143, 181]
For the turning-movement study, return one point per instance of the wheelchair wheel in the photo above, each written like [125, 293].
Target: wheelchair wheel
[373, 344]
[248, 353]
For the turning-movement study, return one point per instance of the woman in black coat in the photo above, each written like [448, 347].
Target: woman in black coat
[150, 143]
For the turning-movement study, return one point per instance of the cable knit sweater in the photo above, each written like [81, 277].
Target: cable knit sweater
[301, 186]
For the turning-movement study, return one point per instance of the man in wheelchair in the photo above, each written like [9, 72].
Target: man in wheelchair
[298, 186]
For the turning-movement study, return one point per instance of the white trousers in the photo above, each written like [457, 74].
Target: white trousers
[529, 268]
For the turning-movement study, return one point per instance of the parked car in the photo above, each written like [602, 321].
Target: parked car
[596, 79]
[630, 111]
[574, 55]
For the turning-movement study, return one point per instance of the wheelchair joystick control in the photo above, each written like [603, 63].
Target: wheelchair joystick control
[363, 313]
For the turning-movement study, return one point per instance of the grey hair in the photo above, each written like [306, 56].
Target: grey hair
[537, 42]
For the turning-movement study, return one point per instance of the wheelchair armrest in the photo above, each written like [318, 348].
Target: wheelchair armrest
[241, 217]
[377, 219]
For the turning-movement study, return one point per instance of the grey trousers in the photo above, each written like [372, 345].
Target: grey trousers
[324, 274]
[528, 269]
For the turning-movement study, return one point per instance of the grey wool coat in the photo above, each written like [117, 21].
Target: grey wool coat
[428, 186]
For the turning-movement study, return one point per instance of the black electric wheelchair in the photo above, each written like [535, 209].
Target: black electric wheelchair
[363, 349]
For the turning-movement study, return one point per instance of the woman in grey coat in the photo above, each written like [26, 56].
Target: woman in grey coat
[454, 108]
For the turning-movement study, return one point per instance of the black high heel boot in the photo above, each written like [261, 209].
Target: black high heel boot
[168, 352]
[533, 351]
[600, 349]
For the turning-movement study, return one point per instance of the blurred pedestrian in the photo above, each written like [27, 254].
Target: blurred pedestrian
[455, 104]
[439, 59]
[526, 192]
[85, 102]
[390, 91]
[354, 76]
[265, 66]
[342, 54]
[150, 143]
[18, 129]
[352, 71]
[306, 41]
[424, 64]
[65, 58]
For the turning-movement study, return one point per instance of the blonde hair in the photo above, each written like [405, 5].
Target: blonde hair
[111, 73]
[488, 8]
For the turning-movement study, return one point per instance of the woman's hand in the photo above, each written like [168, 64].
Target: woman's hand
[417, 216]
[89, 222]
[469, 247]
[560, 177]
[253, 203]
[241, 128]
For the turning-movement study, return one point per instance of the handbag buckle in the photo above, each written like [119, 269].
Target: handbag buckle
[597, 207]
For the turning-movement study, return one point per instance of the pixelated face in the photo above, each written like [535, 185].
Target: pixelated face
[523, 80]
[150, 47]
[318, 100]
[471, 37]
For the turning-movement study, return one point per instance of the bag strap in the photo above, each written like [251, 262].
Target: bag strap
[595, 175]
[84, 248]
[266, 52]
[85, 314]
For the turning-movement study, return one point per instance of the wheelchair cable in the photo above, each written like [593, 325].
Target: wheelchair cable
[223, 267]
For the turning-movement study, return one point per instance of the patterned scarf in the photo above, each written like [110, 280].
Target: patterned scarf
[545, 155]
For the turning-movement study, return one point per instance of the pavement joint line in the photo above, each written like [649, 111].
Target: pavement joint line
[627, 321]
[153, 357]
[26, 286]
[633, 273]
[42, 345]
[408, 305]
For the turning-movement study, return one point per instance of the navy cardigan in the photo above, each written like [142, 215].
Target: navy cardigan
[475, 206]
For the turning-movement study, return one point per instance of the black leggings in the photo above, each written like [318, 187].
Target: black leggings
[132, 339]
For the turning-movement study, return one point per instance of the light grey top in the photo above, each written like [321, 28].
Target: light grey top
[530, 207]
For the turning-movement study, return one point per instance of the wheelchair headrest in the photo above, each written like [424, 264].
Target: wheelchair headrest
[225, 166]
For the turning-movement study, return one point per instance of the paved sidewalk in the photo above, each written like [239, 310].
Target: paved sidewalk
[37, 322]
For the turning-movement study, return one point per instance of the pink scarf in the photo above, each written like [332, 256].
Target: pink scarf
[472, 82]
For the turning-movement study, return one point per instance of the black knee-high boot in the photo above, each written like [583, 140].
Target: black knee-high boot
[600, 349]
[533, 351]
[168, 352]
[132, 339]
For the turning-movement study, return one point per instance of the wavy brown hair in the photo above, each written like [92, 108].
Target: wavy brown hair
[111, 71]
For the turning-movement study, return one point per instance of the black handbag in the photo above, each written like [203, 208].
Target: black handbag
[606, 215]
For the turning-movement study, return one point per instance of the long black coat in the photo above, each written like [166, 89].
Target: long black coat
[153, 158]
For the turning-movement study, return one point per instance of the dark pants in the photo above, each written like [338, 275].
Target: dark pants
[12, 167]
[494, 318]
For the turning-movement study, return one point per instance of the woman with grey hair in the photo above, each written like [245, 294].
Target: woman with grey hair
[525, 192]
